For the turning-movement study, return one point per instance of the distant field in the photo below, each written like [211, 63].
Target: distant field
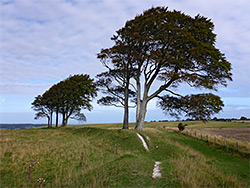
[191, 124]
[103, 155]
[236, 133]
[200, 124]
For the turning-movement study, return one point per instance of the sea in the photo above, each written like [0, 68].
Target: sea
[20, 126]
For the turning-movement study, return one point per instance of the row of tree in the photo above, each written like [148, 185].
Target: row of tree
[242, 118]
[152, 55]
[68, 98]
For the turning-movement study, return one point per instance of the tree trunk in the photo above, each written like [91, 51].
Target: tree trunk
[51, 114]
[66, 122]
[48, 121]
[125, 119]
[63, 119]
[126, 111]
[141, 117]
[138, 85]
[57, 112]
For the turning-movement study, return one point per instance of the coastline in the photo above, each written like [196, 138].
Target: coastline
[12, 126]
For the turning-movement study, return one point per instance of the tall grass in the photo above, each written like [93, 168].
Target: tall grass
[58, 152]
[196, 170]
[114, 158]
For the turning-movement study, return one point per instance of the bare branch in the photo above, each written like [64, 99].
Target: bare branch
[133, 86]
[132, 106]
[173, 93]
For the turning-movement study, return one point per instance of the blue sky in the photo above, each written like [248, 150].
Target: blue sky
[43, 42]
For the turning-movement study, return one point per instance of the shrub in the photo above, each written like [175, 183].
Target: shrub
[181, 127]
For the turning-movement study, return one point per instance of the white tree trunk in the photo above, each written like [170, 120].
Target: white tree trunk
[141, 117]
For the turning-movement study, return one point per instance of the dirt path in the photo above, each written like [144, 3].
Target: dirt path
[156, 171]
[236, 133]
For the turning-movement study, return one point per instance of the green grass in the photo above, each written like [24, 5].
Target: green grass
[116, 158]
[218, 156]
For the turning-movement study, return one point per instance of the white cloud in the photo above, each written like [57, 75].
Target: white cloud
[43, 42]
[23, 89]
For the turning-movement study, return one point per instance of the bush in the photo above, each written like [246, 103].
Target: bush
[243, 118]
[181, 127]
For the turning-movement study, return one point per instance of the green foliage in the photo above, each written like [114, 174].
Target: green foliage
[199, 106]
[181, 48]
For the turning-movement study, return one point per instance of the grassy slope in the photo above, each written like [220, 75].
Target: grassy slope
[116, 158]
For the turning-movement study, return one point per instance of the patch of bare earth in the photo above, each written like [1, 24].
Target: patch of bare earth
[236, 133]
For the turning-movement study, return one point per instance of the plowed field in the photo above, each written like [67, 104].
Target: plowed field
[236, 133]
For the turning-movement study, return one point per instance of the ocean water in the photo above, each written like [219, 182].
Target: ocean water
[20, 126]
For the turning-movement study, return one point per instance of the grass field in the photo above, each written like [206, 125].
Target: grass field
[103, 155]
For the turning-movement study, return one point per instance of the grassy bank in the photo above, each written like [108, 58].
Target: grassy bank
[104, 156]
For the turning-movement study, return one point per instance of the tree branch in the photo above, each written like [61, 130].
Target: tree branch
[113, 93]
[173, 93]
[120, 106]
[162, 88]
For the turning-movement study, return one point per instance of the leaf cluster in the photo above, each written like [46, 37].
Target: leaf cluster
[199, 106]
[173, 46]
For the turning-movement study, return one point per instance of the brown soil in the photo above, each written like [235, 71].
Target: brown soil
[236, 133]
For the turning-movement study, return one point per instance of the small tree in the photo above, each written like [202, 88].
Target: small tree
[116, 94]
[43, 108]
[118, 61]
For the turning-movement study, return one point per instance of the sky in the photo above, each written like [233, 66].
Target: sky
[43, 42]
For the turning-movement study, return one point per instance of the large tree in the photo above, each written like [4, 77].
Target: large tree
[169, 49]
